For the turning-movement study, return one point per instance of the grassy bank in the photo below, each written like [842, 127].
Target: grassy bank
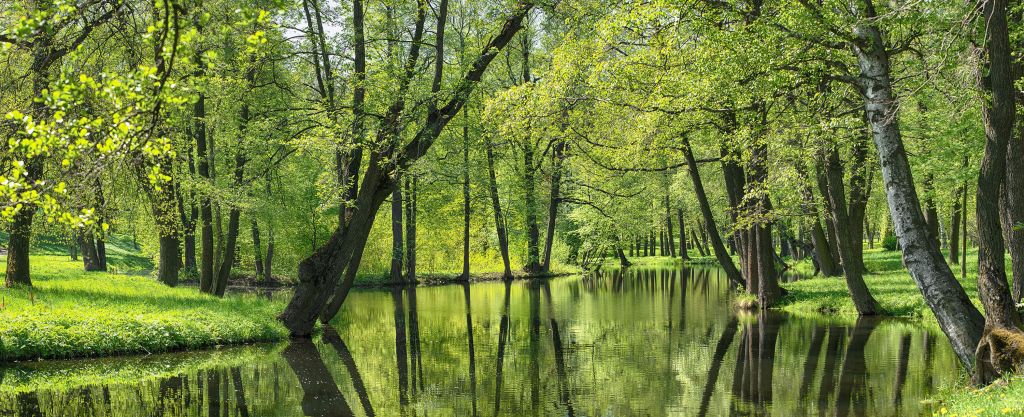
[888, 280]
[895, 290]
[72, 313]
[1005, 397]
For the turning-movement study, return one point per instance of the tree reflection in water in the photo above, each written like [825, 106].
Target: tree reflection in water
[640, 341]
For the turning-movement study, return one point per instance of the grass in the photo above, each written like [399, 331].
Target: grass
[888, 280]
[71, 313]
[1005, 397]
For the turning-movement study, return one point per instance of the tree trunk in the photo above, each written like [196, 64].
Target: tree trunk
[228, 258]
[410, 229]
[74, 246]
[268, 263]
[20, 232]
[721, 254]
[1015, 208]
[170, 259]
[344, 287]
[529, 192]
[682, 236]
[623, 261]
[931, 213]
[101, 252]
[320, 271]
[662, 243]
[396, 234]
[234, 214]
[90, 257]
[18, 247]
[957, 316]
[862, 299]
[256, 248]
[499, 219]
[668, 223]
[762, 253]
[954, 232]
[999, 349]
[557, 156]
[822, 251]
[465, 197]
[696, 242]
[860, 193]
[206, 258]
[822, 248]
[830, 224]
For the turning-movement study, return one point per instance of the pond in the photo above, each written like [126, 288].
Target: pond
[644, 342]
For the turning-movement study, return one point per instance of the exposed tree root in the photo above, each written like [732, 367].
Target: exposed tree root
[1000, 350]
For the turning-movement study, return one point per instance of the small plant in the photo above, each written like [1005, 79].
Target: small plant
[745, 301]
[890, 242]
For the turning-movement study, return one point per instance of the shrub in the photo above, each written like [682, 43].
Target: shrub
[890, 243]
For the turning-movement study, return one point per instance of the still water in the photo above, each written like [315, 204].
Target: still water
[644, 342]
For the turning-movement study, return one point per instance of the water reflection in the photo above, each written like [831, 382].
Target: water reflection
[642, 341]
[320, 394]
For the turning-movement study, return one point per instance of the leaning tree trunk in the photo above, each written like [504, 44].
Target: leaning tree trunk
[830, 224]
[1001, 347]
[696, 242]
[234, 215]
[623, 261]
[228, 259]
[957, 316]
[862, 299]
[860, 193]
[822, 251]
[320, 271]
[499, 219]
[717, 245]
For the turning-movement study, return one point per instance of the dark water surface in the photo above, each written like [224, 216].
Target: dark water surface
[648, 342]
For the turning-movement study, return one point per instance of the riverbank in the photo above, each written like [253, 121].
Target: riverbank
[888, 280]
[71, 313]
[899, 296]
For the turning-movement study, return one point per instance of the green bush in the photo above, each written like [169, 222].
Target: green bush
[890, 243]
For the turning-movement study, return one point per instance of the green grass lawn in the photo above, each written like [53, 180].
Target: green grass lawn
[72, 313]
[888, 280]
